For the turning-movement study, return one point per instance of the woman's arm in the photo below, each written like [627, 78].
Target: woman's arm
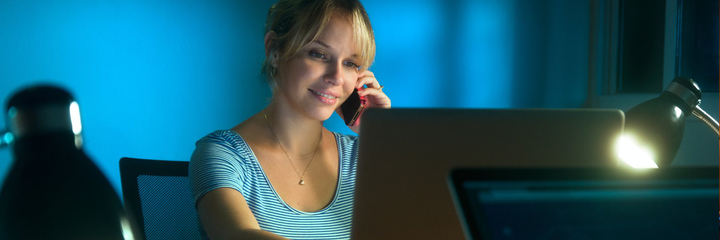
[225, 215]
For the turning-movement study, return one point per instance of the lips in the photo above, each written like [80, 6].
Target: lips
[325, 96]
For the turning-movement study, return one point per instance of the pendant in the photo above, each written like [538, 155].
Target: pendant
[302, 182]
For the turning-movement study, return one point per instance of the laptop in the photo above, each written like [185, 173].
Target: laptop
[598, 203]
[405, 155]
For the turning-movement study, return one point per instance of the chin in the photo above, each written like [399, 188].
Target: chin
[321, 114]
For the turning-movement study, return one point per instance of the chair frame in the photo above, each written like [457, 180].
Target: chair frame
[130, 169]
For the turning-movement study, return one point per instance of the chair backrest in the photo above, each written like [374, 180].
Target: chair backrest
[158, 199]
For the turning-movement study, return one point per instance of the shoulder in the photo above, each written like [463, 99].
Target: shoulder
[227, 139]
[221, 145]
[222, 137]
[346, 141]
[220, 159]
[348, 146]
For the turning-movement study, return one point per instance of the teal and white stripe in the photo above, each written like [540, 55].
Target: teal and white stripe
[223, 159]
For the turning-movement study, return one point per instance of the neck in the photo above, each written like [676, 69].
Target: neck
[298, 135]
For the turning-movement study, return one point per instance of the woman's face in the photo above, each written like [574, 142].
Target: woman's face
[321, 76]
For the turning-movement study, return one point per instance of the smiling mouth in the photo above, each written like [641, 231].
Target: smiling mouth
[322, 94]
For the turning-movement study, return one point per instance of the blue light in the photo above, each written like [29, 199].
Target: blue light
[144, 69]
[8, 138]
[486, 55]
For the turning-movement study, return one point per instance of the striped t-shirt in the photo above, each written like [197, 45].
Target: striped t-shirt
[223, 159]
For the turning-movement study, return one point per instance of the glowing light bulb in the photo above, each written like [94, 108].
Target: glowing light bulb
[75, 118]
[633, 154]
[126, 230]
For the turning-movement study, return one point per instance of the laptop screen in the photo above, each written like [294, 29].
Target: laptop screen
[590, 204]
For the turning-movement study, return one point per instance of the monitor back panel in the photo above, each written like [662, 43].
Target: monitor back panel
[405, 156]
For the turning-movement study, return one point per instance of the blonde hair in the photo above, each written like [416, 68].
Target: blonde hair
[297, 23]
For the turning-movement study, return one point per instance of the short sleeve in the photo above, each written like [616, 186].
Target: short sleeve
[215, 163]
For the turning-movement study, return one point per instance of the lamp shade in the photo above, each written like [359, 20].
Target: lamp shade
[658, 124]
[53, 190]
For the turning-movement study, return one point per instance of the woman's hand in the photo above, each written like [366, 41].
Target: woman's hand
[374, 96]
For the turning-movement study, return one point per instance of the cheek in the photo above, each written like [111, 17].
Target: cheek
[351, 79]
[349, 87]
[297, 70]
[293, 80]
[350, 74]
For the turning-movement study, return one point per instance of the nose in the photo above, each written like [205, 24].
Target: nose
[333, 74]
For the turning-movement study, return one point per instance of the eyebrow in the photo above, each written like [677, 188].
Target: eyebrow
[328, 46]
[323, 44]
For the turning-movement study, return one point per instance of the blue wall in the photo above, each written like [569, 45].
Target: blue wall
[153, 76]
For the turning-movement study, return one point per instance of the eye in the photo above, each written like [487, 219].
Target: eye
[352, 65]
[317, 55]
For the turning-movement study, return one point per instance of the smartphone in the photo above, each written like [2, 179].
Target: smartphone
[352, 107]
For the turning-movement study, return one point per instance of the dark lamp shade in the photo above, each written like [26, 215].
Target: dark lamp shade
[656, 126]
[53, 189]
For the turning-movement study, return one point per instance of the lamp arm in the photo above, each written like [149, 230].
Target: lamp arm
[705, 117]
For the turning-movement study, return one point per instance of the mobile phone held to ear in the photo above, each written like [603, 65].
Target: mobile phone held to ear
[352, 107]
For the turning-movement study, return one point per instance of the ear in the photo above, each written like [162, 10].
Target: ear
[269, 43]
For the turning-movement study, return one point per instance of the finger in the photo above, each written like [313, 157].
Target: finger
[367, 78]
[375, 97]
[370, 91]
[378, 102]
[370, 82]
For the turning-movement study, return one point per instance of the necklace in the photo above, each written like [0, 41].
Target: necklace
[302, 182]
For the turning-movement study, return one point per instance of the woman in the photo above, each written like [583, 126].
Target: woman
[280, 173]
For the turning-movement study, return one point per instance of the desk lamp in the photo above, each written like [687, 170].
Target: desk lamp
[53, 190]
[654, 129]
